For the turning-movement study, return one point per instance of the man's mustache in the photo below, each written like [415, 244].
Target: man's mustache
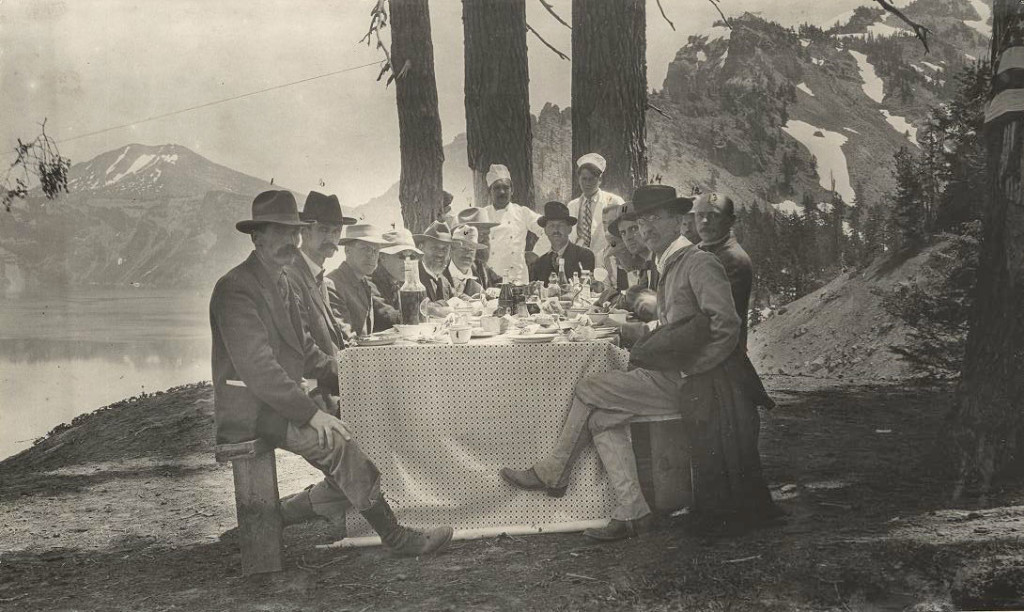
[328, 245]
[288, 250]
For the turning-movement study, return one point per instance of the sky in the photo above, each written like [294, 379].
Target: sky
[86, 65]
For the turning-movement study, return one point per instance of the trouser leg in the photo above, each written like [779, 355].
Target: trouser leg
[614, 444]
[348, 472]
[554, 470]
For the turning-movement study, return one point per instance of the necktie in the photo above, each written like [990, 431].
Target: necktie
[369, 307]
[320, 285]
[283, 288]
[583, 229]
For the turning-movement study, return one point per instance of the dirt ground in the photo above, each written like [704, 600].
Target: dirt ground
[124, 511]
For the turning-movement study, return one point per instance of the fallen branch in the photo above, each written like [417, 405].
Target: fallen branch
[583, 577]
[743, 559]
[551, 10]
[547, 44]
[658, 110]
[919, 30]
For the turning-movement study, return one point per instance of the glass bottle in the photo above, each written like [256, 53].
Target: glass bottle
[411, 294]
[563, 280]
[585, 293]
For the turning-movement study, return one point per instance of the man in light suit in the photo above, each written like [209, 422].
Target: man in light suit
[262, 351]
[557, 224]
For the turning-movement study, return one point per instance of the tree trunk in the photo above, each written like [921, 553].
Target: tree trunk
[419, 124]
[609, 89]
[498, 128]
[988, 415]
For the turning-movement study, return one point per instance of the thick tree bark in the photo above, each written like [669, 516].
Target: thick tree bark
[990, 399]
[498, 128]
[609, 89]
[419, 124]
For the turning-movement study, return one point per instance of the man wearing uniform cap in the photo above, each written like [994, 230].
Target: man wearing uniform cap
[352, 297]
[460, 269]
[261, 352]
[508, 239]
[589, 207]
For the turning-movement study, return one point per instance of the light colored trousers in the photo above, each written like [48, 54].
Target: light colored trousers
[350, 478]
[602, 408]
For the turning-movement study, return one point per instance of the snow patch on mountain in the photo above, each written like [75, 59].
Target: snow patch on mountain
[851, 130]
[788, 207]
[981, 26]
[827, 147]
[117, 161]
[140, 162]
[804, 88]
[933, 66]
[873, 86]
[901, 125]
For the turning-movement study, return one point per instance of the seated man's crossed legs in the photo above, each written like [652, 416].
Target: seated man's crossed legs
[602, 409]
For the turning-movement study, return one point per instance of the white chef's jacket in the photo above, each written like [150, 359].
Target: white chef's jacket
[602, 199]
[508, 241]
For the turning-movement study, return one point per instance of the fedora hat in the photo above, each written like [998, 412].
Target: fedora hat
[555, 211]
[466, 237]
[272, 207]
[477, 217]
[438, 230]
[653, 197]
[611, 216]
[363, 232]
[399, 240]
[326, 209]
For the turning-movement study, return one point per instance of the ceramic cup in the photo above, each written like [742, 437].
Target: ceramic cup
[491, 324]
[460, 335]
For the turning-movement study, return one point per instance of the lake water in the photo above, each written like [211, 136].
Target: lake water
[62, 355]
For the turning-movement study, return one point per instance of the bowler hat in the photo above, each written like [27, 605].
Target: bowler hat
[649, 198]
[437, 230]
[555, 211]
[273, 206]
[326, 209]
[363, 232]
[477, 217]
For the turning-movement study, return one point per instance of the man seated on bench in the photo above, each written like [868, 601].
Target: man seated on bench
[262, 350]
[693, 292]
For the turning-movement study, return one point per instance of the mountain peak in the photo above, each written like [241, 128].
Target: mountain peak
[138, 171]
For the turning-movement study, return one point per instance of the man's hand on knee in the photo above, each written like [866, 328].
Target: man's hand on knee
[326, 426]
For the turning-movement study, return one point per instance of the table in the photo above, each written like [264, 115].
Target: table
[441, 420]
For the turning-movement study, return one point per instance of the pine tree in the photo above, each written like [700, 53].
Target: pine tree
[908, 207]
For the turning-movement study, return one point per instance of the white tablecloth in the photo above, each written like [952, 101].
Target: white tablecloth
[441, 420]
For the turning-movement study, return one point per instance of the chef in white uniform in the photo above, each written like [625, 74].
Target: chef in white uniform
[508, 239]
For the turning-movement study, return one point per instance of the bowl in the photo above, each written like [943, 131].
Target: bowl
[618, 317]
[408, 332]
[597, 318]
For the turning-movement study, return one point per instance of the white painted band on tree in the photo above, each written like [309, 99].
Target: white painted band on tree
[1006, 101]
[1010, 59]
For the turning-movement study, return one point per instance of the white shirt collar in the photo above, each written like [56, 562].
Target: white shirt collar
[458, 274]
[313, 267]
[675, 246]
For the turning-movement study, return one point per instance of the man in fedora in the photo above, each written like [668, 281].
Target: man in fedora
[589, 207]
[481, 220]
[435, 242]
[262, 351]
[557, 224]
[352, 297]
[387, 279]
[460, 269]
[693, 291]
[508, 238]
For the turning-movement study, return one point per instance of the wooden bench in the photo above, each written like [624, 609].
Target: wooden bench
[662, 449]
[256, 503]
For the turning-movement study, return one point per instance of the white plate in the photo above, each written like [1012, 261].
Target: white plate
[532, 339]
[479, 332]
[377, 340]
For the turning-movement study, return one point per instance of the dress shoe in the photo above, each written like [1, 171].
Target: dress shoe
[620, 530]
[530, 481]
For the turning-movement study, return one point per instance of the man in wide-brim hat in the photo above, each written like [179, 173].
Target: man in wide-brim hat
[352, 298]
[436, 244]
[695, 334]
[481, 220]
[389, 276]
[557, 224]
[460, 271]
[262, 352]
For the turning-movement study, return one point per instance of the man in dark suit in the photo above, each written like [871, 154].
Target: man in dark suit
[557, 224]
[714, 215]
[436, 243]
[261, 352]
[352, 297]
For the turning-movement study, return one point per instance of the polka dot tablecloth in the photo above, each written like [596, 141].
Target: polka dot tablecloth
[441, 420]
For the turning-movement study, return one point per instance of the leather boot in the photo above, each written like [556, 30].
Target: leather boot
[297, 508]
[404, 541]
[620, 530]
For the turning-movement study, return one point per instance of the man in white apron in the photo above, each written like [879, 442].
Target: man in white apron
[508, 239]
